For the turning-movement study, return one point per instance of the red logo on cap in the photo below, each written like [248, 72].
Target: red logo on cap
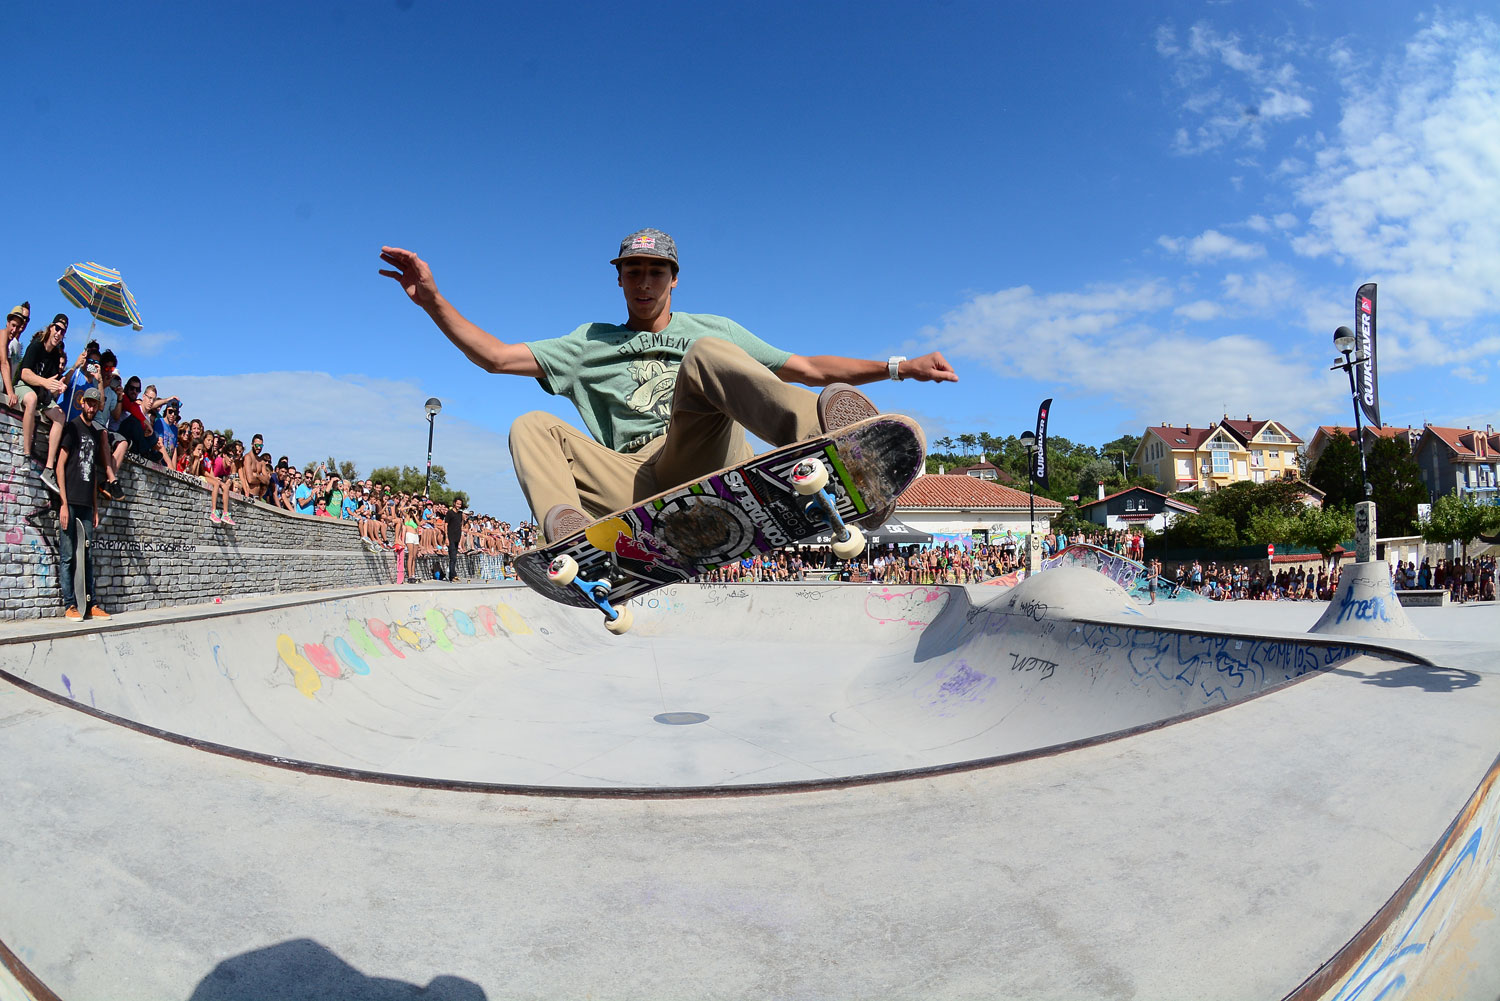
[643, 242]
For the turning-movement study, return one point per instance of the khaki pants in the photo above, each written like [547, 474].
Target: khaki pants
[720, 392]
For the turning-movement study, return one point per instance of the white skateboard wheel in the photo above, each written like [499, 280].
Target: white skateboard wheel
[622, 621]
[850, 547]
[809, 476]
[563, 570]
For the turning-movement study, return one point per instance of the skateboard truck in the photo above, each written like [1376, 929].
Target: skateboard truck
[563, 572]
[810, 479]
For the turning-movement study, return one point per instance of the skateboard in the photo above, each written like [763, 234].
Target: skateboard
[80, 570]
[777, 498]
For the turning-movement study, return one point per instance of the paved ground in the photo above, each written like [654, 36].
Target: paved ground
[573, 845]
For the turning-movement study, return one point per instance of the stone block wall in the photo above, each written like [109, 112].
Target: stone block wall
[157, 547]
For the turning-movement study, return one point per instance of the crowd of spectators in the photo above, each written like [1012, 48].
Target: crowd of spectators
[38, 378]
[1464, 579]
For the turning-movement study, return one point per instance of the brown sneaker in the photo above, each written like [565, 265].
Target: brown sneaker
[98, 613]
[73, 614]
[840, 405]
[564, 520]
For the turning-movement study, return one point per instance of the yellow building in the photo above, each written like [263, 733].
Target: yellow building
[1208, 458]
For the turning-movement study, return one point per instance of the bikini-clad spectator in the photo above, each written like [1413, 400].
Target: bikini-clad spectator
[410, 532]
[16, 322]
[41, 370]
[220, 472]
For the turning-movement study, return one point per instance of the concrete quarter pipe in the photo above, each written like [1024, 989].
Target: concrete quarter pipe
[764, 791]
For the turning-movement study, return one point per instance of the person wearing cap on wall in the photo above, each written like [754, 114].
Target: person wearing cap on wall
[41, 380]
[666, 396]
[16, 322]
[79, 462]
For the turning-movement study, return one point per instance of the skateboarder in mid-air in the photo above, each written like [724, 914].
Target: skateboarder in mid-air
[669, 395]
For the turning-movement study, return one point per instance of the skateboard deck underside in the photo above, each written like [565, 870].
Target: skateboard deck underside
[734, 513]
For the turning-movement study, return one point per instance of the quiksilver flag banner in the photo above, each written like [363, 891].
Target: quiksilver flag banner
[1039, 459]
[1366, 385]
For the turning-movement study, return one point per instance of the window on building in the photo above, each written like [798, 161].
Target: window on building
[1274, 454]
[1221, 464]
[1257, 460]
[1185, 469]
[1258, 476]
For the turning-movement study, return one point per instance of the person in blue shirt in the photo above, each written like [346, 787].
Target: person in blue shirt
[303, 497]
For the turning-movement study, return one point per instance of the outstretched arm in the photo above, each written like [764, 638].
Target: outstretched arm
[482, 348]
[820, 370]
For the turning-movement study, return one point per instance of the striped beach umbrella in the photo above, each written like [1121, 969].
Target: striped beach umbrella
[102, 292]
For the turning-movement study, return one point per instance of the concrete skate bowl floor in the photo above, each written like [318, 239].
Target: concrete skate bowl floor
[717, 687]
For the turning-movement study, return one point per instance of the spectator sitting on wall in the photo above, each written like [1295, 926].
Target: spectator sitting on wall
[16, 322]
[282, 483]
[165, 426]
[41, 370]
[134, 425]
[151, 407]
[189, 443]
[258, 471]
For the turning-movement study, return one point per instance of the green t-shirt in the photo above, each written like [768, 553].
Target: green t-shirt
[621, 380]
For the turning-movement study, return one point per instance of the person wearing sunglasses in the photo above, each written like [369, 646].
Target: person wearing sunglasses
[16, 322]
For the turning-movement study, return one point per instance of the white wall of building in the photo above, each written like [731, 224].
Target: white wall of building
[962, 523]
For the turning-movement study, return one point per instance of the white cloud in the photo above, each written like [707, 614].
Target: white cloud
[1200, 310]
[1212, 245]
[1258, 223]
[1104, 342]
[1469, 374]
[371, 422]
[129, 345]
[1285, 220]
[1406, 192]
[1231, 93]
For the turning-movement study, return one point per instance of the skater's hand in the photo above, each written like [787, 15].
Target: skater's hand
[10, 399]
[932, 367]
[412, 274]
[96, 515]
[62, 515]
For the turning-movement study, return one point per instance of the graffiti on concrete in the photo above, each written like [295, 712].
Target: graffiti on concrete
[349, 654]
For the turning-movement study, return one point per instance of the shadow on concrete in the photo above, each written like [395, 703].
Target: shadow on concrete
[1429, 679]
[303, 970]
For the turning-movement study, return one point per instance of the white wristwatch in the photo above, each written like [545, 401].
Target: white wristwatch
[894, 365]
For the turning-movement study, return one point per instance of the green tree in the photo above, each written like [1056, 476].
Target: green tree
[1337, 474]
[987, 443]
[1323, 529]
[1396, 486]
[1093, 473]
[410, 480]
[1458, 518]
[1202, 531]
[968, 441]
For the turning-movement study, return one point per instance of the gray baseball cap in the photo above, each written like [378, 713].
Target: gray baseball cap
[647, 243]
[92, 393]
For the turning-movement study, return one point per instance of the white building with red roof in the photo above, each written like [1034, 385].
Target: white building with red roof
[1135, 508]
[952, 507]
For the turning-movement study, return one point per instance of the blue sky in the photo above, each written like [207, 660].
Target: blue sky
[1149, 212]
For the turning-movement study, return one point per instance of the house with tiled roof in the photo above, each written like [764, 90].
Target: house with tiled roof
[1460, 460]
[1135, 508]
[952, 506]
[1326, 433]
[984, 470]
[1216, 455]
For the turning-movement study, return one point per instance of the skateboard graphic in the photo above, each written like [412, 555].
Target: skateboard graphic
[774, 499]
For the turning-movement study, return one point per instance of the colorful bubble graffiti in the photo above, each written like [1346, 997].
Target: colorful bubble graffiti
[350, 653]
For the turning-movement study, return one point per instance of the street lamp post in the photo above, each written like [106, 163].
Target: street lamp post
[1345, 342]
[1028, 442]
[432, 407]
